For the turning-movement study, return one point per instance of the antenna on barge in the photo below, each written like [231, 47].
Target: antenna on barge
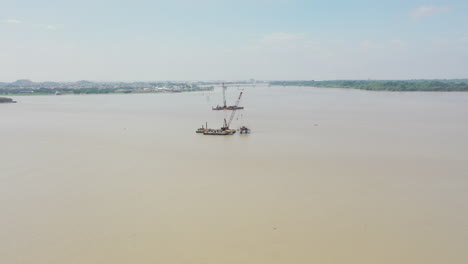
[224, 95]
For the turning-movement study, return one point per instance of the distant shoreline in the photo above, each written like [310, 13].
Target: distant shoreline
[389, 86]
[102, 93]
[28, 87]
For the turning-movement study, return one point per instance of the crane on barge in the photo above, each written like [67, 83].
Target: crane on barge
[224, 106]
[225, 130]
[226, 125]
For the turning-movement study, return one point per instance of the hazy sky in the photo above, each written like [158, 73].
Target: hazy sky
[216, 39]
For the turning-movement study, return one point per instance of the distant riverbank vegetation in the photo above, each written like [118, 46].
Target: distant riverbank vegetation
[410, 85]
[27, 87]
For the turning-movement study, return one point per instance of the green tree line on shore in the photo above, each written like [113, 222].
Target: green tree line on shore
[412, 85]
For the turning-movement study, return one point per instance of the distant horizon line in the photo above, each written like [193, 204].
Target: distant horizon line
[238, 80]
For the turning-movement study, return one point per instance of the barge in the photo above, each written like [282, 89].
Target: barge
[225, 106]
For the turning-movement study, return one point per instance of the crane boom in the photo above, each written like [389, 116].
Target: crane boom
[234, 110]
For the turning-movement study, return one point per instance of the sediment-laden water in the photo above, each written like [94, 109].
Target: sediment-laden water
[327, 176]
